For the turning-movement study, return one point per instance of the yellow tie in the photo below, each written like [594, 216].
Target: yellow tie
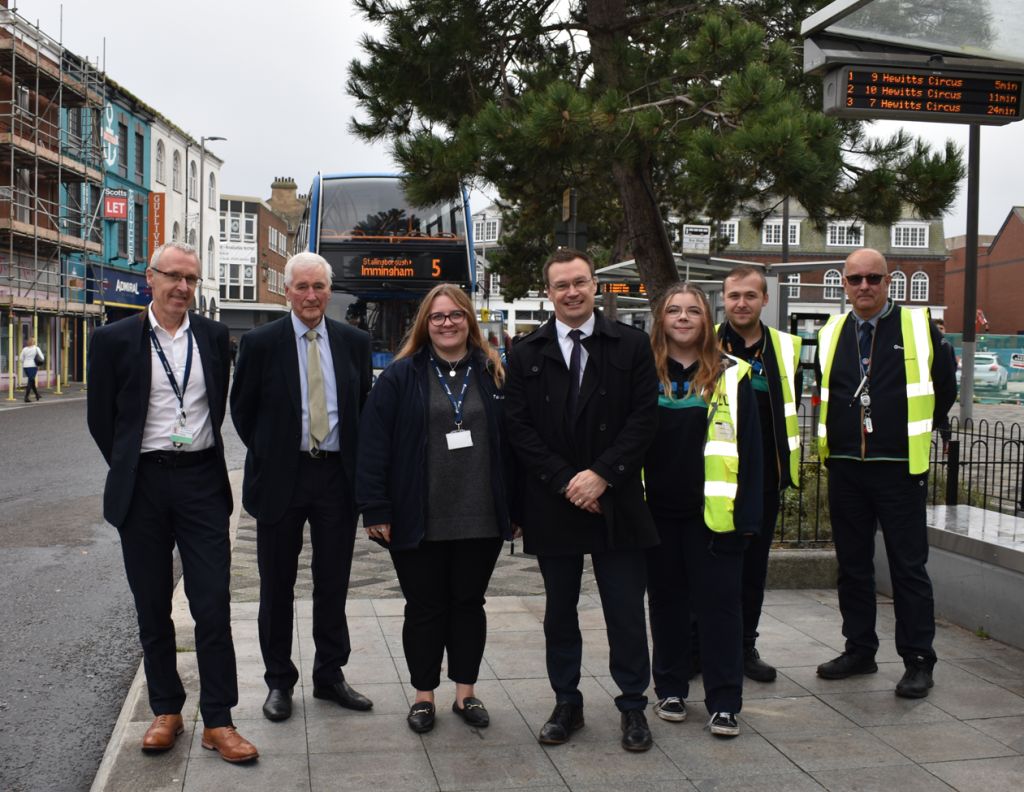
[318, 423]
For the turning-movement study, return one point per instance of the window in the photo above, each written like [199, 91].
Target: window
[212, 199]
[794, 291]
[23, 195]
[771, 233]
[845, 235]
[730, 230]
[74, 221]
[122, 149]
[495, 285]
[240, 283]
[913, 235]
[919, 287]
[176, 172]
[237, 226]
[175, 232]
[74, 130]
[833, 285]
[122, 240]
[485, 231]
[140, 238]
[95, 219]
[193, 182]
[210, 254]
[24, 101]
[192, 237]
[160, 162]
[898, 287]
[140, 157]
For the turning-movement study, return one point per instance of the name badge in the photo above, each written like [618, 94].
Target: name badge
[183, 435]
[724, 431]
[461, 438]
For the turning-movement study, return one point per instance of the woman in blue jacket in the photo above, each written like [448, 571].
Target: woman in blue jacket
[434, 484]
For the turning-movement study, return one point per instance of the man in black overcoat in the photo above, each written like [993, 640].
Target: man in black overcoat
[581, 407]
[300, 384]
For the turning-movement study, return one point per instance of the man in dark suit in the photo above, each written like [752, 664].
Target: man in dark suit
[157, 392]
[299, 387]
[581, 406]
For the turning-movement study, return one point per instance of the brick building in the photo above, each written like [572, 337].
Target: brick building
[288, 204]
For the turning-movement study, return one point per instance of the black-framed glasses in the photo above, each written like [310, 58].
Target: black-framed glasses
[190, 280]
[455, 317]
[855, 280]
[562, 288]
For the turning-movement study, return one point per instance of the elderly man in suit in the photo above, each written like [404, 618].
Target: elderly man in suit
[300, 384]
[157, 392]
[581, 407]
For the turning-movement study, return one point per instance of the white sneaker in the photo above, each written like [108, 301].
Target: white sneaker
[671, 708]
[724, 724]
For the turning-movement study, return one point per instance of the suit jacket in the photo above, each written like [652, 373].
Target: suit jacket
[117, 400]
[266, 408]
[617, 417]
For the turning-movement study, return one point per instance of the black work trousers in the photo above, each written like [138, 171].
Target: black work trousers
[861, 496]
[323, 497]
[188, 507]
[755, 567]
[444, 585]
[687, 571]
[621, 577]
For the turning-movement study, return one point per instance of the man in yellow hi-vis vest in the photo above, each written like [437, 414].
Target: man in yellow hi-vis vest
[884, 380]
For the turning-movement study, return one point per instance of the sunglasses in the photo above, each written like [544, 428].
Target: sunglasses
[855, 280]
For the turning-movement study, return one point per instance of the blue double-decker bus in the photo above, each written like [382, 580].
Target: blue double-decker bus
[385, 252]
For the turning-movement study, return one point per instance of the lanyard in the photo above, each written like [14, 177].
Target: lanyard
[179, 392]
[462, 394]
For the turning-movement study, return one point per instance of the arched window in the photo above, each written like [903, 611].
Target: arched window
[898, 287]
[160, 162]
[192, 237]
[212, 201]
[176, 172]
[919, 287]
[209, 259]
[833, 285]
[193, 182]
[175, 229]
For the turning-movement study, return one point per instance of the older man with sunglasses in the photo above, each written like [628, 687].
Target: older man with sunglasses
[885, 378]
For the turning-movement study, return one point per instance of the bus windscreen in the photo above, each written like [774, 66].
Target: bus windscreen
[376, 209]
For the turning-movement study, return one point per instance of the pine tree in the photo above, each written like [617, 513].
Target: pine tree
[646, 108]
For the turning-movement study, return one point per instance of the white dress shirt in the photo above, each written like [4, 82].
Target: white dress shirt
[162, 416]
[586, 329]
[332, 442]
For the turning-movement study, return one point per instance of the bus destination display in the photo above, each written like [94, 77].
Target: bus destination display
[923, 95]
[386, 266]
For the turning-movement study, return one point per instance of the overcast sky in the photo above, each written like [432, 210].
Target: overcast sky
[270, 77]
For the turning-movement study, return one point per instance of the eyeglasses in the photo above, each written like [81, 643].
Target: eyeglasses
[691, 310]
[455, 317]
[855, 280]
[562, 288]
[190, 280]
[316, 288]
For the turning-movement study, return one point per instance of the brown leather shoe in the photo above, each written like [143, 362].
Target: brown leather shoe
[160, 736]
[232, 746]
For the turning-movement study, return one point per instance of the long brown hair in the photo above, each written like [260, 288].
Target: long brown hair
[709, 364]
[419, 336]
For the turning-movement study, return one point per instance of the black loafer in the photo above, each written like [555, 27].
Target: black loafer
[636, 734]
[278, 706]
[472, 711]
[564, 720]
[421, 717]
[344, 695]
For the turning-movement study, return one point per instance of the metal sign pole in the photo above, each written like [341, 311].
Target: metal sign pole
[970, 278]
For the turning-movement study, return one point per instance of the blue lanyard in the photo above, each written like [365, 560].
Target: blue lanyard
[462, 394]
[675, 387]
[179, 392]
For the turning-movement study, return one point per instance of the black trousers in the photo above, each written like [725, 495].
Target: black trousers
[862, 495]
[189, 507]
[322, 496]
[755, 567]
[687, 571]
[621, 578]
[444, 585]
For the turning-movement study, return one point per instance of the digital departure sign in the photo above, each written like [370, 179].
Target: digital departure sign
[362, 269]
[923, 95]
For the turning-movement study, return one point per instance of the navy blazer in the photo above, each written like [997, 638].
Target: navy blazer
[266, 408]
[117, 403]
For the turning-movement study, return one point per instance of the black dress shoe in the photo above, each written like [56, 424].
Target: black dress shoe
[344, 695]
[564, 720]
[847, 665]
[636, 734]
[472, 711]
[278, 705]
[916, 680]
[755, 668]
[421, 717]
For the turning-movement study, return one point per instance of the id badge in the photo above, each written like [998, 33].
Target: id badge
[461, 438]
[183, 435]
[724, 431]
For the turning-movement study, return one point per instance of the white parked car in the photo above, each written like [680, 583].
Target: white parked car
[989, 373]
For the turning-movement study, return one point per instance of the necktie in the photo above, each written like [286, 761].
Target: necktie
[574, 374]
[866, 331]
[318, 423]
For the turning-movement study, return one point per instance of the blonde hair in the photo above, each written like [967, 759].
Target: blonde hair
[419, 335]
[708, 356]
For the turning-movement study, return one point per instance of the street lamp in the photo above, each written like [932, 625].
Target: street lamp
[202, 196]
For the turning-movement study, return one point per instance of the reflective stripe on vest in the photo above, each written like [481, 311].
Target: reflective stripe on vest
[721, 456]
[787, 352]
[920, 388]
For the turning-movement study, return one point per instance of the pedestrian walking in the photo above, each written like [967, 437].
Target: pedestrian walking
[703, 475]
[435, 484]
[158, 389]
[886, 379]
[234, 351]
[31, 359]
[582, 408]
[300, 384]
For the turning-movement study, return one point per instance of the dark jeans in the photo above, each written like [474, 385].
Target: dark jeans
[322, 497]
[444, 585]
[621, 577]
[862, 495]
[688, 571]
[184, 506]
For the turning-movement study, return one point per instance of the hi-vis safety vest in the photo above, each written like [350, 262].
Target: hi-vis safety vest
[917, 359]
[721, 459]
